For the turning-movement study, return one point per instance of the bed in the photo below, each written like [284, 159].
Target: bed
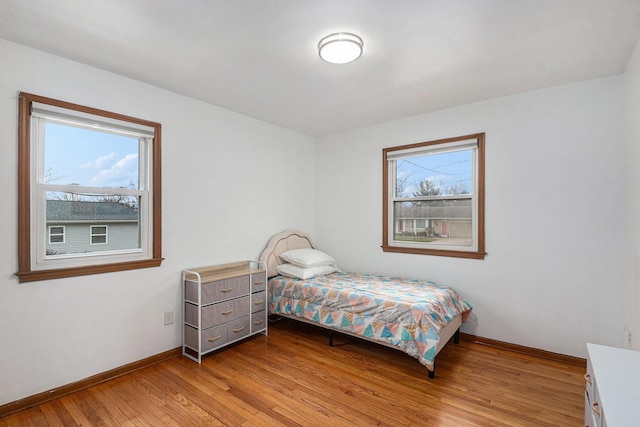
[414, 316]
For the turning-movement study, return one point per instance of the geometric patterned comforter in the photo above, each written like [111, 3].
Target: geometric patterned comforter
[407, 314]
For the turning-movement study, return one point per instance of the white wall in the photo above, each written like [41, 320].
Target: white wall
[229, 183]
[556, 204]
[632, 280]
[553, 276]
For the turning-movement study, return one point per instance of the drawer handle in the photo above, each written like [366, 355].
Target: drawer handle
[226, 290]
[215, 338]
[259, 283]
[596, 408]
[258, 302]
[227, 312]
[258, 322]
[239, 329]
[587, 378]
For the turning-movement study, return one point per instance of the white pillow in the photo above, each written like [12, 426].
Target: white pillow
[307, 257]
[297, 272]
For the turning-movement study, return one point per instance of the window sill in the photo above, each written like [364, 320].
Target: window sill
[435, 252]
[59, 273]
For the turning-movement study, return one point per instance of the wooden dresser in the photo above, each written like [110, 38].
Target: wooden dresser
[612, 395]
[222, 304]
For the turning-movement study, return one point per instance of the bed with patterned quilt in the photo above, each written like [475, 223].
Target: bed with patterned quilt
[417, 317]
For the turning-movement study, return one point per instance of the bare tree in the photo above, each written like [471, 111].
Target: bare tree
[456, 189]
[401, 185]
[427, 188]
[50, 175]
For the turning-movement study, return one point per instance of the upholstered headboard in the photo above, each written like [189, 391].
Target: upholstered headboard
[280, 243]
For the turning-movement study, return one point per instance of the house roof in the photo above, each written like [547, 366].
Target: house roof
[79, 211]
[260, 58]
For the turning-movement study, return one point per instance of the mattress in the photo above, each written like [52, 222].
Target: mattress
[404, 313]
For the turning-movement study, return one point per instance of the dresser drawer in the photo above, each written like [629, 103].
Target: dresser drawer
[225, 311]
[589, 378]
[218, 336]
[212, 338]
[258, 321]
[588, 422]
[597, 415]
[258, 301]
[216, 314]
[218, 290]
[239, 328]
[258, 282]
[592, 418]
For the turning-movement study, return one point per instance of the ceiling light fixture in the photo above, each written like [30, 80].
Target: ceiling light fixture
[340, 48]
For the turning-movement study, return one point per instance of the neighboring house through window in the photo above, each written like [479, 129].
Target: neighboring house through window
[433, 196]
[116, 219]
[90, 178]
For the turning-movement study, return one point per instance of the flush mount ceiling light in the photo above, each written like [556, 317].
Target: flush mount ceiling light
[340, 48]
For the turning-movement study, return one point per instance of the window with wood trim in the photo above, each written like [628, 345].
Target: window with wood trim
[56, 234]
[99, 235]
[83, 171]
[433, 197]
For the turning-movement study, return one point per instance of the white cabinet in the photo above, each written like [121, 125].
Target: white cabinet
[612, 394]
[222, 304]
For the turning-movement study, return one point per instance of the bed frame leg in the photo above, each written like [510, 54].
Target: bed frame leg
[456, 340]
[330, 338]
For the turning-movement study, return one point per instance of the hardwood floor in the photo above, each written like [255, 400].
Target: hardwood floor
[293, 378]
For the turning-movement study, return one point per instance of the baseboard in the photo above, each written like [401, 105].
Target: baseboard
[46, 396]
[549, 355]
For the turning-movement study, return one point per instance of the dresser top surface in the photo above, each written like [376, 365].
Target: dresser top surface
[222, 271]
[617, 376]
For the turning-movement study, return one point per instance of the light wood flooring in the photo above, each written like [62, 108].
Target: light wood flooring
[293, 378]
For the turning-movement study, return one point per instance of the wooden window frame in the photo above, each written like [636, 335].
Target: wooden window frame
[387, 243]
[25, 272]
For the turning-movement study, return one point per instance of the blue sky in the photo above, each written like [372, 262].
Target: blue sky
[98, 159]
[444, 170]
[89, 158]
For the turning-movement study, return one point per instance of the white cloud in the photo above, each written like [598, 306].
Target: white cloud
[100, 162]
[119, 174]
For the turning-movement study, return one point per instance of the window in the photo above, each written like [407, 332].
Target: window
[56, 234]
[83, 172]
[433, 195]
[98, 234]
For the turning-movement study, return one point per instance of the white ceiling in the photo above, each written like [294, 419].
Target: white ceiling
[259, 57]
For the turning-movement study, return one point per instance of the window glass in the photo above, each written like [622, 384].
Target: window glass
[434, 197]
[89, 157]
[77, 211]
[92, 179]
[426, 187]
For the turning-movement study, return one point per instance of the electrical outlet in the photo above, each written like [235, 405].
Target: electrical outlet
[629, 338]
[168, 317]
